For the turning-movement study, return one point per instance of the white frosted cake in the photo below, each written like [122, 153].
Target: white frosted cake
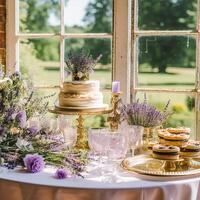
[81, 94]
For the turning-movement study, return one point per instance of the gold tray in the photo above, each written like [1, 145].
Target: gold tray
[145, 164]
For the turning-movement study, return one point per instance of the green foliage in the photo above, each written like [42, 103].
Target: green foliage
[167, 15]
[98, 19]
[179, 108]
[34, 16]
[190, 102]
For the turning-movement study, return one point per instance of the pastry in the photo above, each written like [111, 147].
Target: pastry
[179, 140]
[192, 149]
[179, 130]
[164, 152]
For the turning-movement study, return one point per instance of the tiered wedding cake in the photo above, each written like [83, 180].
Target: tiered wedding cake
[81, 92]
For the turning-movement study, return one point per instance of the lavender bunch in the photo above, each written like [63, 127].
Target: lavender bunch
[143, 114]
[81, 62]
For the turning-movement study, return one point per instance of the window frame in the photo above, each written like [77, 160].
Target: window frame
[135, 33]
[120, 50]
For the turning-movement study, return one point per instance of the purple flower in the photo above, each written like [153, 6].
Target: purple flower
[33, 130]
[34, 163]
[21, 118]
[61, 174]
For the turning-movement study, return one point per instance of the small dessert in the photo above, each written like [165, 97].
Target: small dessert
[179, 130]
[161, 134]
[164, 152]
[192, 149]
[179, 140]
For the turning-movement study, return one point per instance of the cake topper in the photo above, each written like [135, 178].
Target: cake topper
[80, 65]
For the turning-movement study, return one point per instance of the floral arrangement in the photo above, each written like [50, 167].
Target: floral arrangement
[30, 146]
[80, 65]
[143, 114]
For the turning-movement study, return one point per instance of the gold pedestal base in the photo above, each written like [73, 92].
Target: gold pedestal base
[82, 138]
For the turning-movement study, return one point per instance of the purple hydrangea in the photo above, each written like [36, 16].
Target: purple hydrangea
[33, 130]
[21, 118]
[61, 174]
[34, 163]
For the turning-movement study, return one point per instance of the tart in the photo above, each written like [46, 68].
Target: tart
[192, 149]
[179, 130]
[164, 152]
[179, 140]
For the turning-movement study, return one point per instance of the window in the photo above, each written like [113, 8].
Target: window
[165, 52]
[44, 31]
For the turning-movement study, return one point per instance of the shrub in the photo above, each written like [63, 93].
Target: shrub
[190, 102]
[179, 108]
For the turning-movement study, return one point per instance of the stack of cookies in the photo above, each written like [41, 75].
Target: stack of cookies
[174, 142]
[191, 149]
[174, 136]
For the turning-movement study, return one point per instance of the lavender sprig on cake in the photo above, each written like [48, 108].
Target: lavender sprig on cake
[80, 65]
[143, 114]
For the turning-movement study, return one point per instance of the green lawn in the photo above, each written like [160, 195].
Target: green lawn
[47, 73]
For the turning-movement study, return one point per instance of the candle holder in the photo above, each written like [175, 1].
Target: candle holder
[114, 118]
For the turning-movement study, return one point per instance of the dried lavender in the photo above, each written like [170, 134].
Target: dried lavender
[143, 114]
[80, 62]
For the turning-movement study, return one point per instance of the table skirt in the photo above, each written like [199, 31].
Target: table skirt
[20, 191]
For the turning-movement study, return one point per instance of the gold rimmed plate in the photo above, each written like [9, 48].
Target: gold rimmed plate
[145, 164]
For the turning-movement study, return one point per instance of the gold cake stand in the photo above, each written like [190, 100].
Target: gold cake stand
[82, 138]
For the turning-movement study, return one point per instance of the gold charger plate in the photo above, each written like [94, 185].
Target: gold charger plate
[145, 164]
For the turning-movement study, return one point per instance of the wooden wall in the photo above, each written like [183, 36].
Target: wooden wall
[3, 32]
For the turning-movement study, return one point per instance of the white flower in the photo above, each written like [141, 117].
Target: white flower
[21, 143]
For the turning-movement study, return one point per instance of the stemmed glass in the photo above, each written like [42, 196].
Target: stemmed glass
[109, 148]
[116, 151]
[135, 137]
[69, 133]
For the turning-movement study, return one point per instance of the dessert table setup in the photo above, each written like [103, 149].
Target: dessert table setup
[43, 155]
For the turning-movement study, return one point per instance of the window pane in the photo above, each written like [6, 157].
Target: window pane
[88, 16]
[167, 14]
[39, 58]
[51, 93]
[39, 16]
[166, 62]
[95, 47]
[181, 104]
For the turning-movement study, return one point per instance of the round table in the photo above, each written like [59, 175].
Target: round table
[20, 185]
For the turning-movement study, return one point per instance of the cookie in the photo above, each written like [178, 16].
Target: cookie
[192, 149]
[179, 130]
[164, 152]
[176, 137]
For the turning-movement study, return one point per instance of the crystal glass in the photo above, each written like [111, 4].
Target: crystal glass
[135, 134]
[70, 136]
[109, 148]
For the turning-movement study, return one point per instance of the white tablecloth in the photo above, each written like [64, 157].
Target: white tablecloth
[18, 185]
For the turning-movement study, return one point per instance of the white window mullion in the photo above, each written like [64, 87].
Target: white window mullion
[62, 41]
[122, 45]
[12, 42]
[197, 97]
